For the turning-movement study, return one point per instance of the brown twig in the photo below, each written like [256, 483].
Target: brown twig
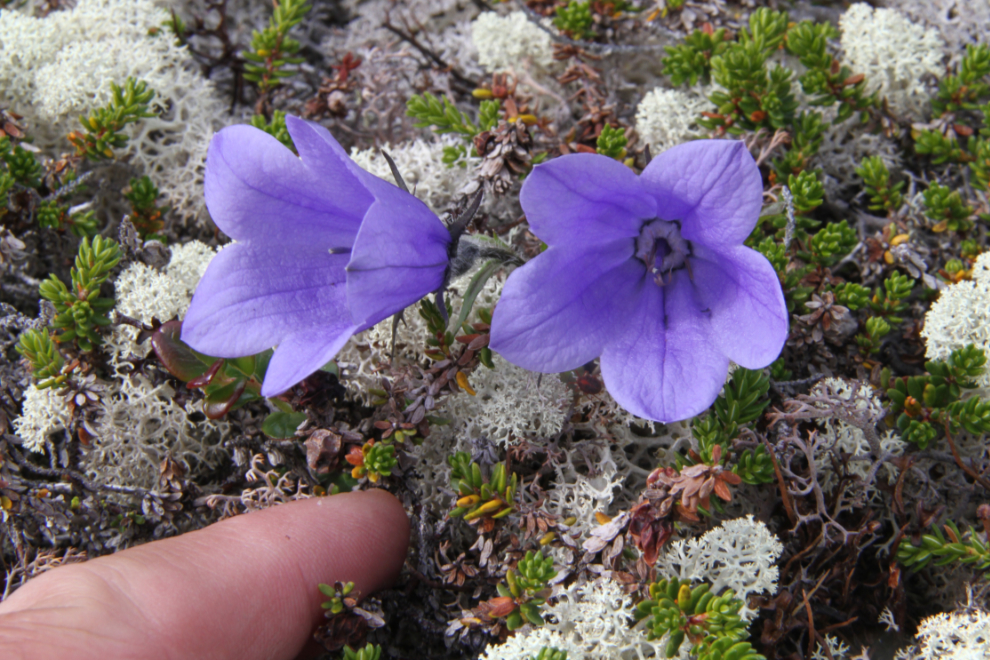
[785, 495]
[430, 55]
[955, 454]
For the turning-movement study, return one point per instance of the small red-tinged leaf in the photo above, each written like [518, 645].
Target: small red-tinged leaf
[355, 456]
[84, 436]
[583, 149]
[222, 401]
[466, 339]
[589, 384]
[854, 80]
[206, 378]
[501, 606]
[722, 490]
[730, 477]
[180, 360]
[282, 424]
[479, 342]
[383, 424]
[962, 129]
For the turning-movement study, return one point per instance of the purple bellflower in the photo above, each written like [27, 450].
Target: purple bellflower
[323, 249]
[648, 272]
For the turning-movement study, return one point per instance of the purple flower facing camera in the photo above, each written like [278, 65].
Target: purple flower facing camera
[322, 250]
[647, 272]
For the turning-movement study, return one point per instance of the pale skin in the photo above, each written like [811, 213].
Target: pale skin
[244, 588]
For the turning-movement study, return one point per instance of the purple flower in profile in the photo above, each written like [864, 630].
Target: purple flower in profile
[322, 250]
[649, 273]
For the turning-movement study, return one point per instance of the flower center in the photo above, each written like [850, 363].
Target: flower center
[662, 249]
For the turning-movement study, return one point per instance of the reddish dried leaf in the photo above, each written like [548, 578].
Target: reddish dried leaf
[722, 490]
[355, 456]
[498, 607]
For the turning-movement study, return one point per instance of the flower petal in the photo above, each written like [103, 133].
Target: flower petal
[302, 354]
[317, 145]
[665, 366]
[583, 199]
[257, 189]
[748, 313]
[253, 296]
[321, 152]
[399, 256]
[558, 311]
[713, 187]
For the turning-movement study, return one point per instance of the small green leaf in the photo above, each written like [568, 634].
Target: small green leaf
[282, 424]
[245, 365]
[474, 289]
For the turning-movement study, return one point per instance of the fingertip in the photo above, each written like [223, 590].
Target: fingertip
[367, 535]
[246, 587]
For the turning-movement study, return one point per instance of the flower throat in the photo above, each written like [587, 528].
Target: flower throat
[662, 249]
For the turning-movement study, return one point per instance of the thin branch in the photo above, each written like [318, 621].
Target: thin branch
[429, 54]
[965, 468]
[67, 473]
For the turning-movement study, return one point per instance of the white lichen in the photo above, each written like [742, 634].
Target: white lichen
[961, 635]
[138, 424]
[887, 619]
[146, 294]
[368, 353]
[421, 166]
[961, 316]
[668, 117]
[894, 54]
[590, 620]
[837, 649]
[960, 22]
[581, 496]
[840, 436]
[739, 555]
[54, 69]
[187, 264]
[510, 403]
[511, 42]
[843, 148]
[44, 412]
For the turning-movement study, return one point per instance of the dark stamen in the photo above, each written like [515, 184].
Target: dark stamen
[340, 250]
